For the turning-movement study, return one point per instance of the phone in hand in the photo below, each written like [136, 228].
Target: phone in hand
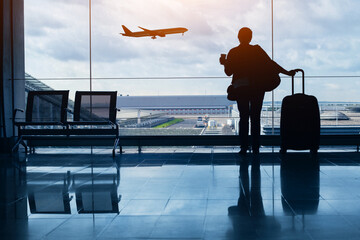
[222, 58]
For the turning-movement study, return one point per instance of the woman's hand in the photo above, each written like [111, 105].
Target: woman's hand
[292, 73]
[222, 59]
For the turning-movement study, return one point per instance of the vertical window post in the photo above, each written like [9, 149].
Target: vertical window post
[272, 57]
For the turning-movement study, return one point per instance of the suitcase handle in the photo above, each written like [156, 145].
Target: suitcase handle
[303, 81]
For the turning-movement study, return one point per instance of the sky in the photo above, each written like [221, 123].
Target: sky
[320, 36]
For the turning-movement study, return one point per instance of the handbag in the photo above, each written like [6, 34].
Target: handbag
[233, 93]
[271, 82]
[266, 78]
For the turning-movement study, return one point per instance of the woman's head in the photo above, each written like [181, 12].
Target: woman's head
[245, 35]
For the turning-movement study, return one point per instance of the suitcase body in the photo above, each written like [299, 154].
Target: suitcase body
[300, 121]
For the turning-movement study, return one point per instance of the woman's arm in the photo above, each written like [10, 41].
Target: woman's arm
[279, 69]
[284, 71]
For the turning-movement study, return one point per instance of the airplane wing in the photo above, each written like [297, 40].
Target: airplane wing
[154, 33]
[146, 30]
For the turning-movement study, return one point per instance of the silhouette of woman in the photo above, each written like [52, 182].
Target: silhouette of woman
[244, 63]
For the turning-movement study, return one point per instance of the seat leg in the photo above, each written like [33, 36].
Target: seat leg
[26, 150]
[15, 147]
[116, 143]
[24, 144]
[18, 142]
[121, 150]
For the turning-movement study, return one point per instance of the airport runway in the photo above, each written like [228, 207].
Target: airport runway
[187, 123]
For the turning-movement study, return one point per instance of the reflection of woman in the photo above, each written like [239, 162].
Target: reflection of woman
[243, 63]
[250, 200]
[248, 217]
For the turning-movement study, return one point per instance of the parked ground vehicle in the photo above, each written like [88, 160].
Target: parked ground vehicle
[200, 122]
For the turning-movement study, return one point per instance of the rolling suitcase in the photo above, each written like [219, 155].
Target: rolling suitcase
[300, 121]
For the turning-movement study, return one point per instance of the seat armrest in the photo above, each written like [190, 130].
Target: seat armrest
[105, 122]
[15, 111]
[40, 124]
[19, 109]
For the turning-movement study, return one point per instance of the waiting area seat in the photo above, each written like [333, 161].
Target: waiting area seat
[46, 124]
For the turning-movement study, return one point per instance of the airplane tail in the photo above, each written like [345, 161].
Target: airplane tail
[126, 30]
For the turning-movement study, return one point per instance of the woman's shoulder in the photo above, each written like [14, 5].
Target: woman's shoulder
[234, 49]
[244, 47]
[259, 51]
[257, 47]
[241, 50]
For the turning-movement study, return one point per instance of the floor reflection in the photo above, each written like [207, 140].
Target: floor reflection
[53, 193]
[248, 216]
[98, 196]
[300, 184]
[13, 190]
[180, 196]
[300, 188]
[54, 199]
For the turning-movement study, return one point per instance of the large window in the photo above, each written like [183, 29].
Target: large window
[175, 83]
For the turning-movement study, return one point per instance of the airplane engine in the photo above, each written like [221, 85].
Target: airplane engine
[153, 37]
[162, 35]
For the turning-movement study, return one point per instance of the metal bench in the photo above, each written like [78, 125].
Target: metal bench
[94, 120]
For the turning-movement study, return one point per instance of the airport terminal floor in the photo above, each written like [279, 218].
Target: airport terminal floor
[180, 193]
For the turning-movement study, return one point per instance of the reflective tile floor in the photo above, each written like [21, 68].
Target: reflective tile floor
[174, 193]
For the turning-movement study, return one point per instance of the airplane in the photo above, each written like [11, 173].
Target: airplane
[152, 33]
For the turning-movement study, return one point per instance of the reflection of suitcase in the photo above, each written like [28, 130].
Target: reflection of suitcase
[300, 121]
[300, 184]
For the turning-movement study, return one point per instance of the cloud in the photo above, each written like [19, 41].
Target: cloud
[60, 32]
[332, 86]
[37, 23]
[327, 9]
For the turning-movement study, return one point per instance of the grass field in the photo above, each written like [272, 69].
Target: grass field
[167, 124]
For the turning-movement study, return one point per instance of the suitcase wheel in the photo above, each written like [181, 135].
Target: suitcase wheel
[283, 150]
[313, 151]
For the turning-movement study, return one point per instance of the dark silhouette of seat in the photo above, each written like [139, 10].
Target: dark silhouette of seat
[94, 120]
[46, 114]
[95, 108]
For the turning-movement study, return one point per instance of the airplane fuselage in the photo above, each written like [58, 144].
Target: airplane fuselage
[153, 33]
